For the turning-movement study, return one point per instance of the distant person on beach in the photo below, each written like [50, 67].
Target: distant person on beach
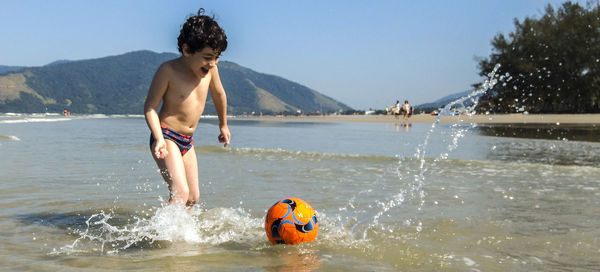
[396, 109]
[182, 84]
[407, 110]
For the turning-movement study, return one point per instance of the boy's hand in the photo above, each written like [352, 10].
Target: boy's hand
[225, 136]
[160, 149]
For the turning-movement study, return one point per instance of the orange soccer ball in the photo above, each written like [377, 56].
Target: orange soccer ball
[291, 221]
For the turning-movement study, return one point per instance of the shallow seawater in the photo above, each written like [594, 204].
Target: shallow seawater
[562, 132]
[83, 193]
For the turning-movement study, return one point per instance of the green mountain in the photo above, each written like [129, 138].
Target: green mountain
[119, 85]
[442, 102]
[6, 69]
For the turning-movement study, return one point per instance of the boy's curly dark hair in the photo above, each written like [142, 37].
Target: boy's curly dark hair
[200, 31]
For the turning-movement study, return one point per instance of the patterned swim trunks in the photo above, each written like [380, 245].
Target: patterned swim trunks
[184, 142]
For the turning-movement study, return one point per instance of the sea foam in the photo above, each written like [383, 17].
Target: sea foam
[109, 232]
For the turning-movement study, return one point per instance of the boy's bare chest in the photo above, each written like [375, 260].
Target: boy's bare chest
[187, 92]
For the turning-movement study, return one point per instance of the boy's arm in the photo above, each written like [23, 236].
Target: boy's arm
[157, 90]
[217, 92]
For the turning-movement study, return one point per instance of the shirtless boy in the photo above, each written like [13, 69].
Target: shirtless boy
[182, 85]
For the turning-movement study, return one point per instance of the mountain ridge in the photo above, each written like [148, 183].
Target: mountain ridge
[119, 84]
[441, 102]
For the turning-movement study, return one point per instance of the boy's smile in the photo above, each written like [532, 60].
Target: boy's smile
[201, 61]
[204, 71]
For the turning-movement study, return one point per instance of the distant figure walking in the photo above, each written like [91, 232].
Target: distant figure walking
[396, 109]
[407, 110]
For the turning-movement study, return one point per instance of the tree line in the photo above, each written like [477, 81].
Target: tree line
[548, 65]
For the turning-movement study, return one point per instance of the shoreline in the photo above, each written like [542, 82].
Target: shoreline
[512, 118]
[516, 118]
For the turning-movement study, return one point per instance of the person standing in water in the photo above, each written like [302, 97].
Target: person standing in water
[406, 110]
[396, 109]
[182, 85]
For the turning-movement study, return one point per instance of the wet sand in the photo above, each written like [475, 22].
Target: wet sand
[426, 118]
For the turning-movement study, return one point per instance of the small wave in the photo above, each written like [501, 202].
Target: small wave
[292, 154]
[12, 118]
[97, 116]
[33, 120]
[126, 116]
[10, 137]
[42, 114]
[12, 114]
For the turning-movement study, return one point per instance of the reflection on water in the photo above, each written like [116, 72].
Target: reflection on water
[551, 144]
[545, 152]
[571, 132]
[405, 126]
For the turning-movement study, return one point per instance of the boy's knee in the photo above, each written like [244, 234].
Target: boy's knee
[180, 195]
[193, 198]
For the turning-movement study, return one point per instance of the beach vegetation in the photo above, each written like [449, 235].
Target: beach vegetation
[549, 64]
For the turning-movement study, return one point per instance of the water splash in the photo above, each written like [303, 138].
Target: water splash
[111, 232]
[456, 107]
[10, 137]
[413, 189]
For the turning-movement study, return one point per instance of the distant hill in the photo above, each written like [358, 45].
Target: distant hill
[58, 62]
[440, 103]
[7, 69]
[119, 85]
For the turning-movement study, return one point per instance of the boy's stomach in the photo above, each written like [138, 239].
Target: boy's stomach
[185, 126]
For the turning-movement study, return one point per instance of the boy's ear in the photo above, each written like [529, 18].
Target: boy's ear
[185, 50]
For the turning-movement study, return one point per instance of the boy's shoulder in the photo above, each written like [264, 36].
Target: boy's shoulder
[168, 65]
[168, 68]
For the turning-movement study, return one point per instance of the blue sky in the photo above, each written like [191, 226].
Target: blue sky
[367, 54]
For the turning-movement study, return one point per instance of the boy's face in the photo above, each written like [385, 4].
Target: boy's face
[202, 61]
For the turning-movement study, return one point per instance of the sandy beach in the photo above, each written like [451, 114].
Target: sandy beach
[426, 118]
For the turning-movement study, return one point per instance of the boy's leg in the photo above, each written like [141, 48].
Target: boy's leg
[190, 163]
[173, 171]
